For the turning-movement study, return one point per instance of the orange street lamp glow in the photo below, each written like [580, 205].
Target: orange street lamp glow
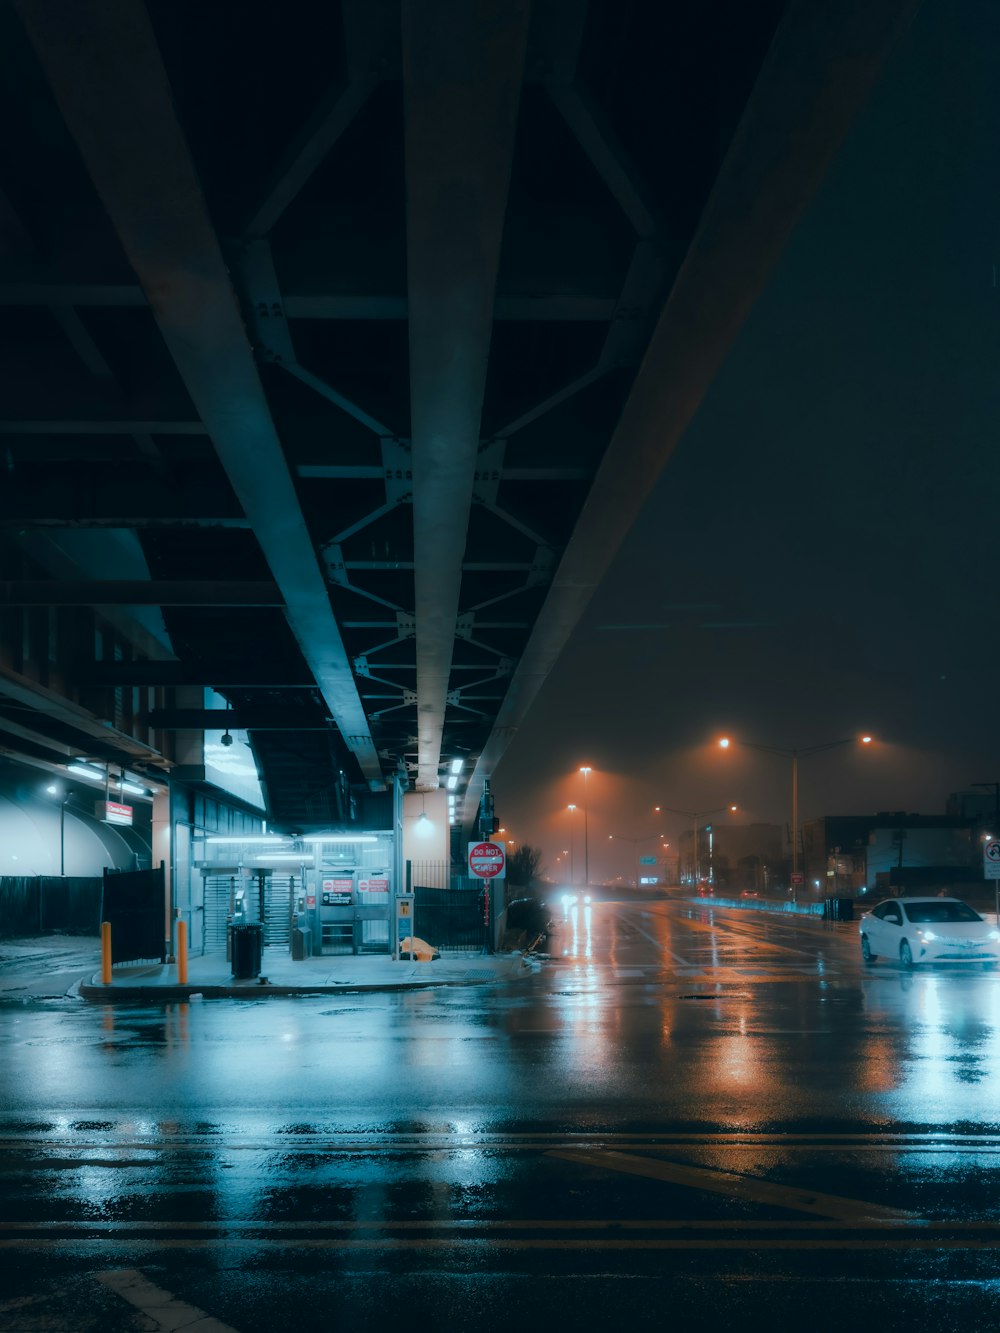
[724, 743]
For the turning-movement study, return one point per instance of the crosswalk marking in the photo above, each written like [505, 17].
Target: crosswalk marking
[729, 1183]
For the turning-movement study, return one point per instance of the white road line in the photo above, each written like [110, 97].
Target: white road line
[729, 1183]
[437, 1142]
[489, 1244]
[166, 1311]
[460, 1224]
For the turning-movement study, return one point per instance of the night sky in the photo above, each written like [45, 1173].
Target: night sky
[821, 554]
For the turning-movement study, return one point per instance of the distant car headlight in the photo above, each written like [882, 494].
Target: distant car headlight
[927, 934]
[587, 900]
[993, 935]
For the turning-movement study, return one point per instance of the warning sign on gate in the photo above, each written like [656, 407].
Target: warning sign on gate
[487, 860]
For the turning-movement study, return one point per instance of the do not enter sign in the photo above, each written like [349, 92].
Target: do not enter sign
[487, 860]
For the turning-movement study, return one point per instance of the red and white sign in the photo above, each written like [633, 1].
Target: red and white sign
[376, 885]
[340, 885]
[113, 812]
[797, 877]
[487, 860]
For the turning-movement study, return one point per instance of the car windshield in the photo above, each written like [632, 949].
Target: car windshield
[944, 911]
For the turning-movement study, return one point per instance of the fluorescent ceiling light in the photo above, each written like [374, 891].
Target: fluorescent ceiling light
[456, 765]
[268, 857]
[134, 789]
[253, 838]
[452, 782]
[85, 771]
[340, 837]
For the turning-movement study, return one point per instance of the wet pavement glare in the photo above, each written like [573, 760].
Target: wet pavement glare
[720, 1113]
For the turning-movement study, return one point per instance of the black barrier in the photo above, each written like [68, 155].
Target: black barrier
[134, 904]
[43, 904]
[839, 909]
[451, 920]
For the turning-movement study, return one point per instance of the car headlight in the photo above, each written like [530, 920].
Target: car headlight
[927, 934]
[993, 935]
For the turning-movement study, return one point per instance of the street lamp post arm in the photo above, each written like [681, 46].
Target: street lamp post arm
[797, 751]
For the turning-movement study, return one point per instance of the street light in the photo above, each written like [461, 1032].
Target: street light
[586, 842]
[572, 848]
[795, 754]
[697, 816]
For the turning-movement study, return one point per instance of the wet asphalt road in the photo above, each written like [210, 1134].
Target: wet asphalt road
[689, 1116]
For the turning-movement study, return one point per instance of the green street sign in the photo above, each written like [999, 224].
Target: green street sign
[647, 860]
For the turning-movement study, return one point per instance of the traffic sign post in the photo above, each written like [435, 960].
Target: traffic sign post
[991, 870]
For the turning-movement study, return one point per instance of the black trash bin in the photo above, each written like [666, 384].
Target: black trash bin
[248, 944]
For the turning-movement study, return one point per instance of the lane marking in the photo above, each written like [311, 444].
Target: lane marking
[865, 1243]
[723, 1224]
[166, 1311]
[443, 1142]
[745, 1188]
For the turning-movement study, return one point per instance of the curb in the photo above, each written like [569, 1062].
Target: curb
[97, 991]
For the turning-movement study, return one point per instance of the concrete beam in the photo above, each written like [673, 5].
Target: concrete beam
[101, 56]
[462, 73]
[822, 64]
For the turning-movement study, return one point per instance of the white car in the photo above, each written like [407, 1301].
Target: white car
[928, 930]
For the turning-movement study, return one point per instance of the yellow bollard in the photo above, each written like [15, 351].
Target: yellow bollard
[182, 953]
[106, 952]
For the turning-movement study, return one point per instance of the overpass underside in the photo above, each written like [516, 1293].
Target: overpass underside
[344, 342]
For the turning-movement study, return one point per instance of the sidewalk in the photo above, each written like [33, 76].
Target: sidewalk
[49, 966]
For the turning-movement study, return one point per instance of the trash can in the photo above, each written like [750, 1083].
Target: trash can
[301, 943]
[248, 944]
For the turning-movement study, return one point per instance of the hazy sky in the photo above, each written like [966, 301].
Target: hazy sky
[822, 553]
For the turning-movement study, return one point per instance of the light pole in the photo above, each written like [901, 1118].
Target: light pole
[697, 816]
[995, 788]
[795, 754]
[586, 839]
[572, 840]
[53, 790]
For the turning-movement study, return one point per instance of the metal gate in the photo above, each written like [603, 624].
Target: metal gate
[266, 897]
[220, 897]
[276, 910]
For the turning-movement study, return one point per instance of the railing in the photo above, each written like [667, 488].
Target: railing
[762, 905]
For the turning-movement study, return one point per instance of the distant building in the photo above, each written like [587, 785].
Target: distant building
[734, 857]
[890, 850]
[978, 807]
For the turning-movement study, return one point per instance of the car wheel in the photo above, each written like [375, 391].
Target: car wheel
[866, 950]
[906, 955]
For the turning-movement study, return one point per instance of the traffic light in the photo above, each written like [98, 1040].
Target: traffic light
[488, 823]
